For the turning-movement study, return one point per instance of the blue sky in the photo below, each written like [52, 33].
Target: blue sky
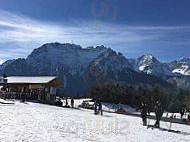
[133, 27]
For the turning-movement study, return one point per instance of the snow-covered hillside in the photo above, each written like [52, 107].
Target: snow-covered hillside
[38, 123]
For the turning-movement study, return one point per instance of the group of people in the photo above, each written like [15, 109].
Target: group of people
[146, 110]
[98, 107]
[60, 103]
[67, 104]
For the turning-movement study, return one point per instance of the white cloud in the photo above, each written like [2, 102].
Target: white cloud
[20, 34]
[18, 28]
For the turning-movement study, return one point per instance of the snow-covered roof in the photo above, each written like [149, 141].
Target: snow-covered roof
[28, 80]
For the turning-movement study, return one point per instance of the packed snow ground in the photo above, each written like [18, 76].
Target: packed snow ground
[38, 122]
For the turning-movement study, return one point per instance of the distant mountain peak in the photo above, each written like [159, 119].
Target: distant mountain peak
[148, 57]
[4, 64]
[151, 65]
[181, 67]
[101, 47]
[185, 59]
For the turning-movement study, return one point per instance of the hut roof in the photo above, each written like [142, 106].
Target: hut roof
[30, 79]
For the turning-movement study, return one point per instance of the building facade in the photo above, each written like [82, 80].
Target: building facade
[42, 88]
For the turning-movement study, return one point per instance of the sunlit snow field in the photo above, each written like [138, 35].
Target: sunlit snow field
[39, 122]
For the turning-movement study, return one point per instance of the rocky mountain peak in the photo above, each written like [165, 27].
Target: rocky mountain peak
[181, 67]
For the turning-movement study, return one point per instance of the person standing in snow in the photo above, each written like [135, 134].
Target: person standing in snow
[23, 97]
[188, 119]
[72, 103]
[182, 111]
[66, 102]
[158, 112]
[83, 104]
[144, 114]
[95, 107]
[100, 107]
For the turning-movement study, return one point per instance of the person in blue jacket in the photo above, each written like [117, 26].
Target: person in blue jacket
[95, 107]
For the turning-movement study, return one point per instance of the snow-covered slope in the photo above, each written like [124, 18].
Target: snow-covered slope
[35, 122]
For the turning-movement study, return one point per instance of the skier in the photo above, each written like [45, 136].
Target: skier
[100, 107]
[144, 114]
[182, 111]
[158, 112]
[72, 103]
[95, 107]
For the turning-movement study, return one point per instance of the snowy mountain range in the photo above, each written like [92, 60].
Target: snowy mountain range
[150, 65]
[182, 66]
[79, 68]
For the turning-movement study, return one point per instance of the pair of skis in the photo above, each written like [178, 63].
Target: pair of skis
[152, 126]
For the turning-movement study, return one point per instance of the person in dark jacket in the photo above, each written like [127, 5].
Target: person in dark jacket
[23, 97]
[188, 119]
[144, 114]
[72, 103]
[100, 107]
[182, 111]
[66, 102]
[158, 112]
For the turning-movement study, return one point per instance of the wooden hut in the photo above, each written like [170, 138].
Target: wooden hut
[43, 88]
